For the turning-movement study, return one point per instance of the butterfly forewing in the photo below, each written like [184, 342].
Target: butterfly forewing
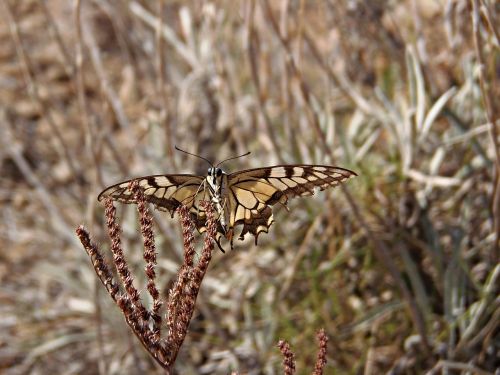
[165, 192]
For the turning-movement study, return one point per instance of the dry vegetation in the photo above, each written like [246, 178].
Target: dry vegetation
[400, 268]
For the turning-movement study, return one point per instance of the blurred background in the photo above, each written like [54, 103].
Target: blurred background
[400, 268]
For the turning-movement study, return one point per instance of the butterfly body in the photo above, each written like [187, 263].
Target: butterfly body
[242, 198]
[217, 184]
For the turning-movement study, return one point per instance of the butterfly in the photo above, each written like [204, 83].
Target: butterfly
[240, 198]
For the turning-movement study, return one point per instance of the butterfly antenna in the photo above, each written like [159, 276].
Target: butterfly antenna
[234, 157]
[198, 156]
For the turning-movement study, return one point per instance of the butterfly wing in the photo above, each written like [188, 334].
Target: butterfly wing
[165, 192]
[253, 191]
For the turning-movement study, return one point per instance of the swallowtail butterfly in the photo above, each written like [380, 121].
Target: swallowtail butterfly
[240, 198]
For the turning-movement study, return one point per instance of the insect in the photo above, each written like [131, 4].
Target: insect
[240, 198]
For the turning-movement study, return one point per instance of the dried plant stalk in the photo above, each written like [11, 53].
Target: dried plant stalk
[149, 257]
[146, 324]
[288, 358]
[196, 275]
[183, 276]
[321, 357]
[121, 265]
[98, 262]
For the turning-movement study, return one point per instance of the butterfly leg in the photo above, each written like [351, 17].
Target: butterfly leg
[230, 237]
[202, 185]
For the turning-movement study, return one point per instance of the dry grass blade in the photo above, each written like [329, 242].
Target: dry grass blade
[492, 111]
[166, 32]
[34, 92]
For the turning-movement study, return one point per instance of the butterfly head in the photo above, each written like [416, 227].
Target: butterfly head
[214, 177]
[215, 172]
